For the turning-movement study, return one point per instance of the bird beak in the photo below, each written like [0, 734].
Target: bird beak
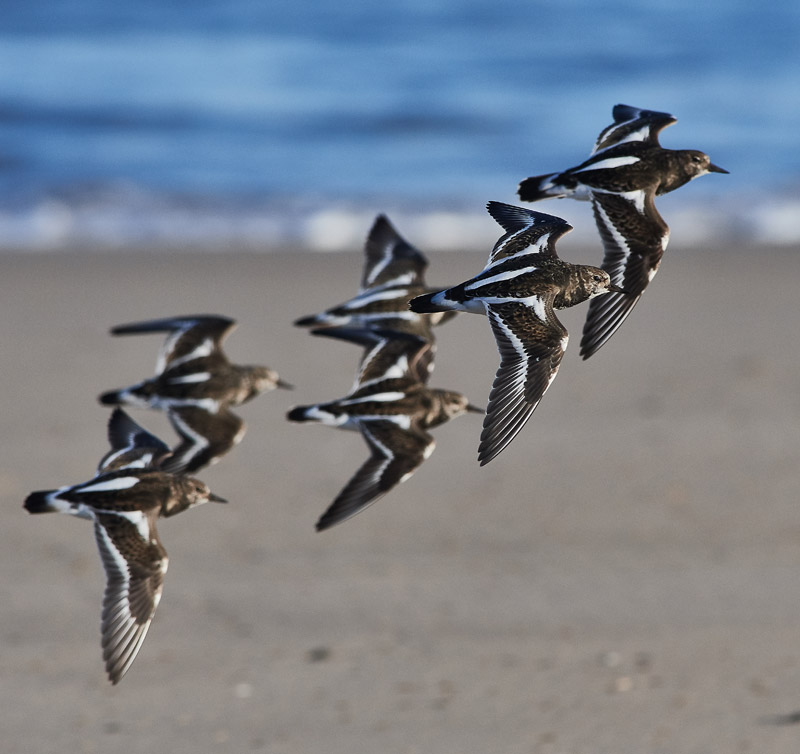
[475, 409]
[285, 385]
[216, 498]
[712, 168]
[616, 289]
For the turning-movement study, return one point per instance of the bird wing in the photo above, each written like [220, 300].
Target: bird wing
[395, 453]
[389, 259]
[527, 231]
[388, 354]
[531, 342]
[131, 446]
[135, 563]
[205, 437]
[634, 238]
[189, 337]
[633, 124]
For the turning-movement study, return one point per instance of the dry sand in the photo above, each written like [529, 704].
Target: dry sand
[625, 577]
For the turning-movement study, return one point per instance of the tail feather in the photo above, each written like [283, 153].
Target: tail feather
[324, 413]
[299, 414]
[536, 187]
[138, 395]
[310, 321]
[111, 398]
[428, 303]
[39, 502]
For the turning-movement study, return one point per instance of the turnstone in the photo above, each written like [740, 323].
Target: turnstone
[628, 168]
[196, 384]
[392, 408]
[124, 499]
[521, 285]
[393, 273]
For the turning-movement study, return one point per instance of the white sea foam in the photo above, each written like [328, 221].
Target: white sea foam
[135, 221]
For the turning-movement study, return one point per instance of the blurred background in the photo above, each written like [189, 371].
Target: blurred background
[243, 122]
[623, 579]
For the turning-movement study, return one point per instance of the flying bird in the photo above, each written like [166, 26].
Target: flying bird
[627, 169]
[518, 289]
[392, 407]
[125, 497]
[393, 273]
[195, 384]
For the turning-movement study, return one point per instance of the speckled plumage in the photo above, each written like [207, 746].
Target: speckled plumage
[393, 273]
[393, 408]
[123, 500]
[628, 168]
[521, 285]
[195, 384]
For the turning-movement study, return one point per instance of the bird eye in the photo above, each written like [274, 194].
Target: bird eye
[596, 278]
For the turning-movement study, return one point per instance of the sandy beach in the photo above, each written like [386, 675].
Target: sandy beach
[623, 579]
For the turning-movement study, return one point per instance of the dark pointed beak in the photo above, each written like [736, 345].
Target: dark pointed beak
[616, 289]
[475, 409]
[712, 168]
[284, 385]
[216, 498]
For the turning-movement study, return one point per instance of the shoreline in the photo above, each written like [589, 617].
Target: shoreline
[623, 577]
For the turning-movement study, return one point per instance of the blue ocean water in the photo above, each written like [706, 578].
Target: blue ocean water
[238, 121]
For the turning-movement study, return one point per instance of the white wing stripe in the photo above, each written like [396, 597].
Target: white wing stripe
[189, 378]
[611, 162]
[499, 277]
[111, 485]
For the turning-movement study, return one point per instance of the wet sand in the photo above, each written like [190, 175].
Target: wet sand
[624, 577]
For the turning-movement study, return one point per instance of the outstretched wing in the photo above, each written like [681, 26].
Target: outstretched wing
[531, 342]
[205, 437]
[395, 453]
[389, 259]
[527, 232]
[190, 337]
[634, 239]
[135, 563]
[633, 124]
[388, 354]
[131, 446]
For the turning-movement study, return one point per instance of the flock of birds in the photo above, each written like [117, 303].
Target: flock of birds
[524, 281]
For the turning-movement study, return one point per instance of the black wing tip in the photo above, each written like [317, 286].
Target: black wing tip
[488, 450]
[165, 324]
[592, 342]
[512, 217]
[622, 113]
[381, 227]
[120, 425]
[605, 317]
[333, 516]
[493, 444]
[362, 336]
[384, 232]
[340, 511]
[126, 434]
